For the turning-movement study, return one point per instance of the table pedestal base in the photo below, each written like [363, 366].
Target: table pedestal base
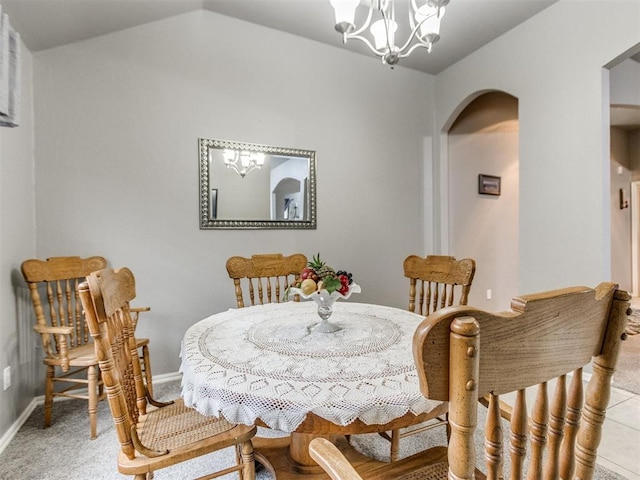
[276, 456]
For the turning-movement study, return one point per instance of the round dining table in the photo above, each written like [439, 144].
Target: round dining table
[267, 365]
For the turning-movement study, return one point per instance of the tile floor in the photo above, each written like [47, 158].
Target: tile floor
[619, 449]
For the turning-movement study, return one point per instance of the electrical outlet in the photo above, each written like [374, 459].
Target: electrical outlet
[7, 377]
[488, 294]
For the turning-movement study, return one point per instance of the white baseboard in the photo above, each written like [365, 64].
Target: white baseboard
[13, 430]
[39, 400]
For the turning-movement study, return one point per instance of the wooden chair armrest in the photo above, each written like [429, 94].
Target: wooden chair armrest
[63, 346]
[506, 410]
[332, 460]
[53, 330]
[139, 309]
[135, 312]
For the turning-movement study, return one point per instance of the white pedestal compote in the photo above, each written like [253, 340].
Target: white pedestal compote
[325, 301]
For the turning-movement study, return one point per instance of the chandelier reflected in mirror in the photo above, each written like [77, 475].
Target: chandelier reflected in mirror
[424, 18]
[242, 161]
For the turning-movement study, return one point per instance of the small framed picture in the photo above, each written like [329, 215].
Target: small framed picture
[488, 184]
[624, 199]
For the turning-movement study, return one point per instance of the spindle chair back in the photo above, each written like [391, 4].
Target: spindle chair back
[463, 354]
[438, 281]
[264, 278]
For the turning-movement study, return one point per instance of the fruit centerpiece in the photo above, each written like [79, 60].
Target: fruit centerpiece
[324, 285]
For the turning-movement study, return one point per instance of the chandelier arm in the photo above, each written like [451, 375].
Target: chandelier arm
[367, 43]
[386, 27]
[413, 48]
[234, 168]
[413, 35]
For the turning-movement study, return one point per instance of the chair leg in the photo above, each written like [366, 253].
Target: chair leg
[48, 395]
[92, 377]
[448, 425]
[395, 445]
[146, 363]
[248, 461]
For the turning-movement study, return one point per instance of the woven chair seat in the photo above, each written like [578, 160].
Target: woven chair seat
[440, 470]
[176, 425]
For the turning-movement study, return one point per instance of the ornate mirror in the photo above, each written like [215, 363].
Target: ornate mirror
[246, 185]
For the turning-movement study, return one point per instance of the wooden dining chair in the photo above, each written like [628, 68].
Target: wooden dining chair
[66, 342]
[265, 277]
[436, 281]
[542, 344]
[152, 435]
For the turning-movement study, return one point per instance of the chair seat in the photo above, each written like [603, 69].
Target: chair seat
[82, 356]
[429, 464]
[184, 432]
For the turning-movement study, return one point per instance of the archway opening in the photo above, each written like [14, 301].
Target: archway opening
[484, 195]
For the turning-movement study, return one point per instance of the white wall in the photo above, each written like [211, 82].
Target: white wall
[17, 243]
[118, 118]
[554, 66]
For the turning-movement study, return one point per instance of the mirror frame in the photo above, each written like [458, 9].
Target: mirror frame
[206, 222]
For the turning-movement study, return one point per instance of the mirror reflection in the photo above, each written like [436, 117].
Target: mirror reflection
[246, 185]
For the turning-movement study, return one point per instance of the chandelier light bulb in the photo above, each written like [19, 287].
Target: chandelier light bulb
[345, 11]
[229, 156]
[245, 159]
[428, 19]
[383, 39]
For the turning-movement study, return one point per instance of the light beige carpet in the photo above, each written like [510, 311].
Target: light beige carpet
[633, 325]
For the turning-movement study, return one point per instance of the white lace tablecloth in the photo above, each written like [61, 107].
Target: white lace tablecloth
[267, 362]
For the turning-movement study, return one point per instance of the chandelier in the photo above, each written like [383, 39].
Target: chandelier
[242, 161]
[424, 21]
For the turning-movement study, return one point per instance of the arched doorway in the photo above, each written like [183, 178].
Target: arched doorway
[483, 140]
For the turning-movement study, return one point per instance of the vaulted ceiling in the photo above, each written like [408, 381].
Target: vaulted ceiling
[467, 25]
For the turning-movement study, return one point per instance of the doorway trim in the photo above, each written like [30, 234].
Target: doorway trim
[635, 238]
